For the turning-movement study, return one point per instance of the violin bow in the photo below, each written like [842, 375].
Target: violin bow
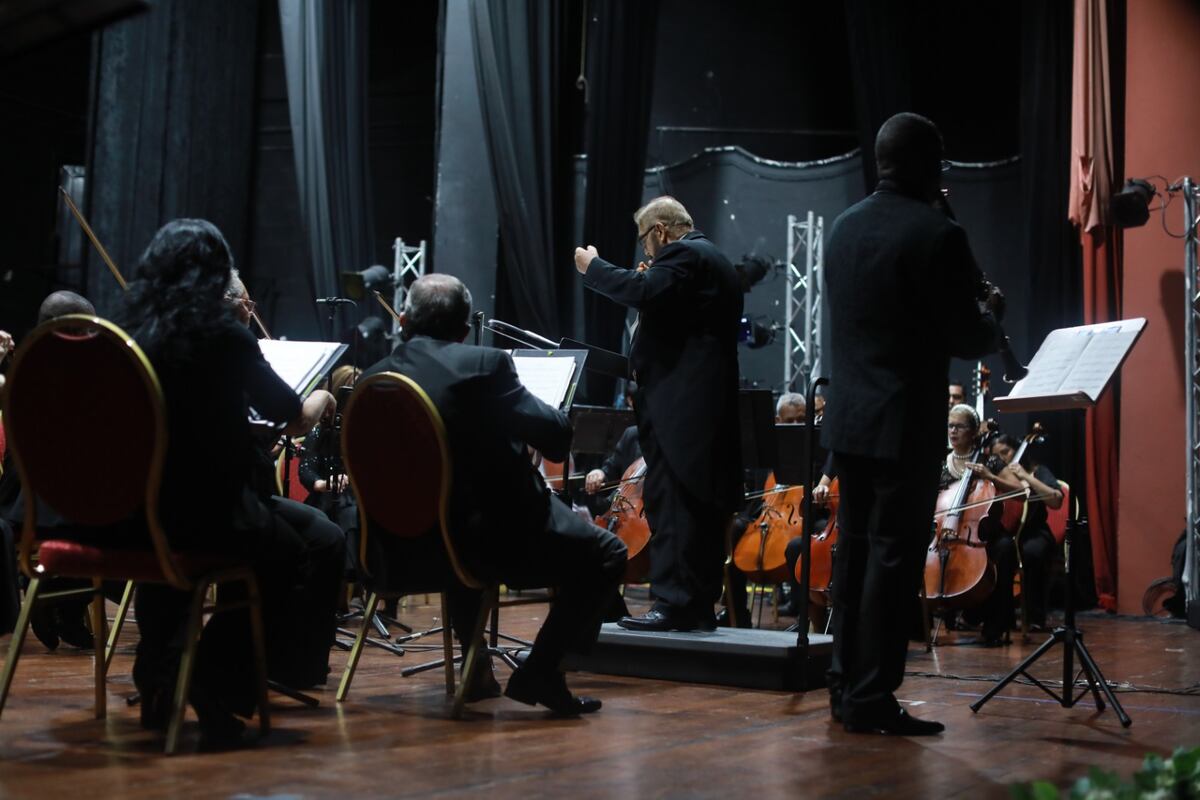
[87, 230]
[386, 306]
[112, 267]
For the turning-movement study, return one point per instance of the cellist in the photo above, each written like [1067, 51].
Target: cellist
[1036, 541]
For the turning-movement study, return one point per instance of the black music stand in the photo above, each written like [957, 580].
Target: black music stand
[1101, 366]
[598, 428]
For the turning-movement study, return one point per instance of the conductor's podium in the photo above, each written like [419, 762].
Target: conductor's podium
[745, 657]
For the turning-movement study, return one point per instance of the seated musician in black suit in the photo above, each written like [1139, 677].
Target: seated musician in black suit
[213, 496]
[506, 523]
[627, 450]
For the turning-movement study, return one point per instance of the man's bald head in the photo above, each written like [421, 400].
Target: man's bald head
[438, 306]
[908, 151]
[62, 303]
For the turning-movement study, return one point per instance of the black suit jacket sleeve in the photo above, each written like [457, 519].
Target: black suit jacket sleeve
[969, 332]
[627, 450]
[645, 289]
[524, 416]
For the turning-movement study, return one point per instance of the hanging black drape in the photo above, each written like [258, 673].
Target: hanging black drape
[518, 48]
[172, 129]
[891, 45]
[620, 60]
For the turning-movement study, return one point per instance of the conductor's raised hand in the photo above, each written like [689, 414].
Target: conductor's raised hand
[583, 258]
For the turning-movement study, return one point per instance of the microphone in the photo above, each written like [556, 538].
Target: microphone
[520, 334]
[336, 301]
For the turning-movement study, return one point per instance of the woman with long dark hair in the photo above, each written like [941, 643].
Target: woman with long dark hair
[212, 373]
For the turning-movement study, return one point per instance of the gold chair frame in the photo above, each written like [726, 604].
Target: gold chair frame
[172, 571]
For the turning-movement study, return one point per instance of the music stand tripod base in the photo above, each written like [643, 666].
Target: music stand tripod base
[1072, 640]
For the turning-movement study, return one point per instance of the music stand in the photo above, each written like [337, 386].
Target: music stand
[598, 428]
[1095, 359]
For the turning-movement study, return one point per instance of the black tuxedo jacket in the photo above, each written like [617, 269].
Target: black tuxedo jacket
[901, 288]
[489, 417]
[684, 355]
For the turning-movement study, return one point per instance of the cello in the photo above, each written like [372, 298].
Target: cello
[626, 518]
[760, 552]
[958, 572]
[821, 552]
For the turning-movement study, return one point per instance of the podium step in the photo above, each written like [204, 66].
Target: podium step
[743, 657]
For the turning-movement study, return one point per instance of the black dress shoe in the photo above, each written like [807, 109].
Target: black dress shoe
[902, 724]
[549, 690]
[667, 619]
[743, 618]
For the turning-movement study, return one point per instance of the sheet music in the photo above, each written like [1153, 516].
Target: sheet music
[299, 363]
[1080, 360]
[1099, 360]
[546, 378]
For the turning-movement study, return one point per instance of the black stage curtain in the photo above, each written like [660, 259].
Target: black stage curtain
[891, 45]
[519, 58]
[172, 129]
[620, 61]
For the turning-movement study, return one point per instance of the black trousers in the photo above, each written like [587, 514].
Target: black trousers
[1037, 552]
[583, 562]
[687, 545]
[298, 562]
[885, 515]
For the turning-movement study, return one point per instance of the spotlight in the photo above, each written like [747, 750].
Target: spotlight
[755, 334]
[753, 268]
[1131, 205]
[357, 285]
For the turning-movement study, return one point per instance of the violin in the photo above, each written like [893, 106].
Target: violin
[626, 518]
[821, 552]
[1012, 515]
[958, 571]
[759, 552]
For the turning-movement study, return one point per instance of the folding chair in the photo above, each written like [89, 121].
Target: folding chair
[72, 377]
[396, 454]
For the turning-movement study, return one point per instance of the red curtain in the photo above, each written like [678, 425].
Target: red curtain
[1091, 189]
[1102, 271]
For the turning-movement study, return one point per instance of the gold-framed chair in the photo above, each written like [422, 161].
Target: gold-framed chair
[71, 377]
[396, 454]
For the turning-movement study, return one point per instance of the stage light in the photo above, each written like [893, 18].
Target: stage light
[755, 334]
[752, 269]
[358, 285]
[1131, 205]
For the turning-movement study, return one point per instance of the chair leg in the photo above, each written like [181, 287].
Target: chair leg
[260, 653]
[356, 650]
[487, 602]
[448, 647]
[99, 656]
[184, 681]
[118, 624]
[18, 640]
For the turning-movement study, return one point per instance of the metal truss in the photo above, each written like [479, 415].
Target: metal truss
[1191, 572]
[802, 300]
[409, 265]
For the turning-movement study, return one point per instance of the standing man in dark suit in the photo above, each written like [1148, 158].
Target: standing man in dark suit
[903, 294]
[684, 358]
[505, 521]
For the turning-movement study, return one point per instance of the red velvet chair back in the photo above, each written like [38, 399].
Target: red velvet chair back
[85, 417]
[1056, 518]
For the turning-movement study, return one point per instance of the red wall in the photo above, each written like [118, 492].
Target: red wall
[1162, 124]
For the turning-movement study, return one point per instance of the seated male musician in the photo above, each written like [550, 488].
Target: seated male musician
[64, 620]
[790, 409]
[627, 450]
[505, 521]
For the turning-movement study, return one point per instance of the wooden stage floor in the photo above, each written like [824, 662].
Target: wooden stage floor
[393, 737]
